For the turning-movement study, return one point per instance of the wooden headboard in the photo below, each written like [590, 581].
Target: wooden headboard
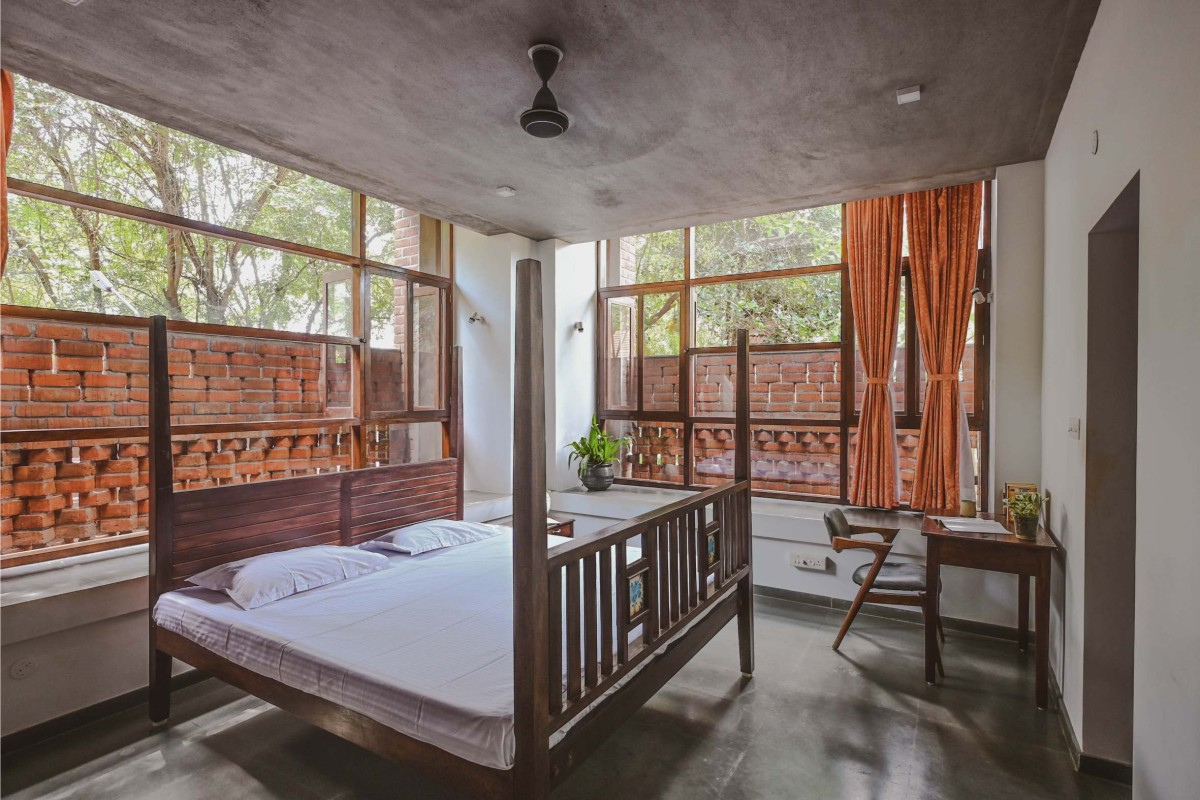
[191, 531]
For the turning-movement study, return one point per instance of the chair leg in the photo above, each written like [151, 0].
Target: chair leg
[853, 612]
[941, 630]
[937, 655]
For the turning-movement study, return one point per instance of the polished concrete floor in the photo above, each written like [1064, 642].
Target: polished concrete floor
[811, 724]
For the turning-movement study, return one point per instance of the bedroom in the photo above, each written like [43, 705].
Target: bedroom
[348, 278]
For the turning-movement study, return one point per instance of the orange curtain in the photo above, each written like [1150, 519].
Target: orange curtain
[943, 250]
[873, 250]
[6, 93]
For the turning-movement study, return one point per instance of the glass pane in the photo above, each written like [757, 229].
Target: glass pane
[653, 451]
[651, 258]
[339, 316]
[427, 346]
[393, 234]
[389, 331]
[898, 366]
[790, 384]
[68, 142]
[804, 308]
[801, 460]
[621, 366]
[712, 453]
[339, 382]
[403, 443]
[660, 350]
[87, 261]
[806, 238]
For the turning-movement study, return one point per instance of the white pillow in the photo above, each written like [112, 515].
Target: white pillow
[436, 534]
[256, 581]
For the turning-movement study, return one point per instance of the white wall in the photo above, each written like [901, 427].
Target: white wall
[569, 283]
[1137, 85]
[484, 276]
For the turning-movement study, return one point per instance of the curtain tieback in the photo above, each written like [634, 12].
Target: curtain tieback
[878, 381]
[944, 376]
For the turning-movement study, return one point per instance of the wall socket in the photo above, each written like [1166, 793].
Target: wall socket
[1073, 427]
[817, 563]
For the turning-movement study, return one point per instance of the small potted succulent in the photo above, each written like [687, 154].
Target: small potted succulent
[595, 454]
[1026, 509]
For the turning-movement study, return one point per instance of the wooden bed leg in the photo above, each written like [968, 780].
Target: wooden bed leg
[160, 686]
[745, 620]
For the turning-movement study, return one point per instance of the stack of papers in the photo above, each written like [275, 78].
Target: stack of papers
[971, 525]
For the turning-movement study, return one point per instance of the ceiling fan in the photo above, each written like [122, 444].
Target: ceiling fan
[544, 119]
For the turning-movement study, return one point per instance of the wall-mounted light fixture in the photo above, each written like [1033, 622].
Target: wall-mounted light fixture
[476, 317]
[979, 297]
[579, 326]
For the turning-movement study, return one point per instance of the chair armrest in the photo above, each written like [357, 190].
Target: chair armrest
[841, 543]
[888, 534]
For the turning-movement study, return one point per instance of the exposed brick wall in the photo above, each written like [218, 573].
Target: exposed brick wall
[785, 458]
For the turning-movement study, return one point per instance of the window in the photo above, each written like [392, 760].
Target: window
[781, 276]
[312, 316]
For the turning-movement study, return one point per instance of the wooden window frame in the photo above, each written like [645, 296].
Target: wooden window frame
[978, 421]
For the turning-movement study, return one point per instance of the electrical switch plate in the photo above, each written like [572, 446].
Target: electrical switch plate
[1073, 427]
[817, 563]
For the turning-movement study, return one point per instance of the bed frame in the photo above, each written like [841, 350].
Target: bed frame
[628, 627]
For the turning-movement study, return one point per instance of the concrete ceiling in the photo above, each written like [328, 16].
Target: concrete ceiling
[682, 111]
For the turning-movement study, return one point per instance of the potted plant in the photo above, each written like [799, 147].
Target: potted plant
[1026, 509]
[595, 453]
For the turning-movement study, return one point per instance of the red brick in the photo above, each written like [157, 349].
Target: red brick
[46, 455]
[14, 377]
[53, 394]
[105, 381]
[77, 516]
[225, 346]
[132, 352]
[121, 465]
[127, 365]
[80, 349]
[11, 345]
[72, 533]
[55, 378]
[12, 506]
[189, 342]
[81, 469]
[110, 395]
[112, 526]
[31, 522]
[135, 450]
[26, 361]
[42, 410]
[75, 485]
[90, 409]
[95, 453]
[33, 538]
[116, 335]
[113, 480]
[98, 497]
[80, 363]
[12, 327]
[34, 472]
[53, 331]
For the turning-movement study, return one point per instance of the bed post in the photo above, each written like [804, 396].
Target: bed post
[531, 681]
[741, 472]
[161, 511]
[456, 423]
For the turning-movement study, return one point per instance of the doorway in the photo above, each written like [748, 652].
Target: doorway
[1111, 476]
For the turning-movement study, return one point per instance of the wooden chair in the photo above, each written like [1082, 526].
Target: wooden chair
[879, 582]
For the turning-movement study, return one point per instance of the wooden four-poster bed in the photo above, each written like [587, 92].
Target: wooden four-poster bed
[599, 622]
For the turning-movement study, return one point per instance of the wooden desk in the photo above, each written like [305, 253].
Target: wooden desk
[998, 552]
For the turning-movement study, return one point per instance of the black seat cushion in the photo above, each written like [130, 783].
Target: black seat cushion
[894, 577]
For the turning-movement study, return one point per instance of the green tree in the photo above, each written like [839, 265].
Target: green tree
[68, 142]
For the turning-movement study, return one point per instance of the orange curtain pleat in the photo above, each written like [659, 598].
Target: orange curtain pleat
[943, 252]
[874, 229]
[6, 94]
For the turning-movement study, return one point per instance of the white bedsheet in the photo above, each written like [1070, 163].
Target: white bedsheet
[424, 647]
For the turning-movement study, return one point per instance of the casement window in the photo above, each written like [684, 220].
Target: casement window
[670, 303]
[319, 317]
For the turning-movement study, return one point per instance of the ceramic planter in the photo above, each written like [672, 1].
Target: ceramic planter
[597, 477]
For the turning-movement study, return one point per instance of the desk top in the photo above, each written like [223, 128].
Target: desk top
[931, 527]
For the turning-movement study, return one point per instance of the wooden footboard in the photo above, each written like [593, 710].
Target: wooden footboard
[691, 558]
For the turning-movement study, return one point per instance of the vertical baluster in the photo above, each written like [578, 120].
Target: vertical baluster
[677, 542]
[650, 552]
[664, 578]
[554, 595]
[695, 587]
[666, 534]
[622, 605]
[590, 632]
[687, 541]
[573, 667]
[702, 549]
[606, 611]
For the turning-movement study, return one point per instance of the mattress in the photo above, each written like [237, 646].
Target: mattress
[424, 647]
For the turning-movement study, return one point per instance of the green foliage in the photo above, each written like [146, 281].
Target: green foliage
[1026, 504]
[595, 448]
[805, 238]
[65, 141]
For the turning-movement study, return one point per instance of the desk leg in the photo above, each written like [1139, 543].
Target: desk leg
[932, 610]
[1043, 631]
[1023, 612]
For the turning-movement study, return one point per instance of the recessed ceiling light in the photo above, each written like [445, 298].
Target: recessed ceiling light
[72, 2]
[910, 95]
[506, 191]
